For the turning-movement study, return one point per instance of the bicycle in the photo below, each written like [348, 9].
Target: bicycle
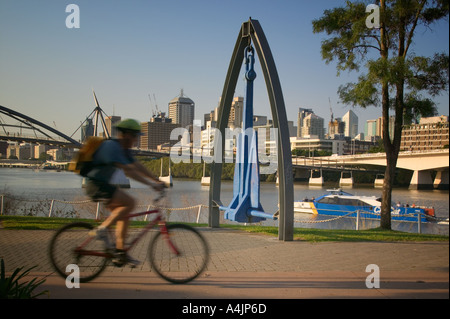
[178, 253]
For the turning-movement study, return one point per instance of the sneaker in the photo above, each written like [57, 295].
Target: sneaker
[101, 233]
[121, 258]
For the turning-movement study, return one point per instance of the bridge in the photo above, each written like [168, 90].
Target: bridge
[421, 162]
[23, 129]
[40, 133]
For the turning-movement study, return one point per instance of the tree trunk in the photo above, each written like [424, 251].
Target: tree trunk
[385, 222]
[391, 163]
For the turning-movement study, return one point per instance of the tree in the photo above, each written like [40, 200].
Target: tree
[391, 66]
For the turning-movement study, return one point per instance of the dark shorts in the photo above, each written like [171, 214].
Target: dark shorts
[100, 191]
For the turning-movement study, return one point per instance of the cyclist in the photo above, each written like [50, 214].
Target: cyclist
[111, 155]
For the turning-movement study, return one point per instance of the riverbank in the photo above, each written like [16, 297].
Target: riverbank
[302, 234]
[59, 194]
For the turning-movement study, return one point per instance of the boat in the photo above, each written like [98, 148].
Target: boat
[339, 203]
[206, 180]
[165, 179]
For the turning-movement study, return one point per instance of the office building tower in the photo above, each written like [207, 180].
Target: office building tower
[181, 110]
[157, 132]
[302, 113]
[351, 124]
[87, 130]
[312, 125]
[111, 122]
[336, 127]
[379, 125]
[237, 107]
[370, 129]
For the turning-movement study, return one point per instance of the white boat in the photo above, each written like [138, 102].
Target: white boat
[168, 178]
[206, 180]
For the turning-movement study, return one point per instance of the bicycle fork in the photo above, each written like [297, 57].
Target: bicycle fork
[165, 232]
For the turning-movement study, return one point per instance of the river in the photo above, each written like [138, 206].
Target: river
[44, 185]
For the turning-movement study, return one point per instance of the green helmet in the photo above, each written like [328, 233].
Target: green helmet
[129, 125]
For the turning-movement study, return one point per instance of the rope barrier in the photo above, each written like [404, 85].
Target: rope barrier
[200, 206]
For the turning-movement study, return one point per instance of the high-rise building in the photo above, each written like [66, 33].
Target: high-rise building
[157, 132]
[237, 107]
[336, 127]
[379, 128]
[181, 110]
[370, 129]
[111, 122]
[312, 125]
[235, 118]
[302, 113]
[351, 124]
[87, 130]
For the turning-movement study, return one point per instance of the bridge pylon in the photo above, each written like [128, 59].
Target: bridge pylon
[97, 115]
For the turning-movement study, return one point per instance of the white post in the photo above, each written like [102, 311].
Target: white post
[1, 205]
[148, 208]
[419, 224]
[51, 208]
[357, 219]
[198, 212]
[98, 209]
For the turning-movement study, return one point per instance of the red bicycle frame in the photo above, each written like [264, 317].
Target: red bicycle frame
[158, 220]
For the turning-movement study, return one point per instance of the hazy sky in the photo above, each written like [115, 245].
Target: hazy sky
[126, 50]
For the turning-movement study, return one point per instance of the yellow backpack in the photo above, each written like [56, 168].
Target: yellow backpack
[82, 161]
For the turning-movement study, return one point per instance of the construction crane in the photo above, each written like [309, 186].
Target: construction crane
[156, 104]
[331, 110]
[151, 108]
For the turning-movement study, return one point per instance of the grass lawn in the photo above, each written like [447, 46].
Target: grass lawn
[307, 234]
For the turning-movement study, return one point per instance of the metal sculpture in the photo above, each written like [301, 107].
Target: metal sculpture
[245, 206]
[251, 32]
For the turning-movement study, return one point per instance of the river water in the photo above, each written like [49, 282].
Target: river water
[29, 188]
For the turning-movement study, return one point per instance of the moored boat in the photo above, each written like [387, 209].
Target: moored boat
[339, 203]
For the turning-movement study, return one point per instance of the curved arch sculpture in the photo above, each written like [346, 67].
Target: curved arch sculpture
[251, 31]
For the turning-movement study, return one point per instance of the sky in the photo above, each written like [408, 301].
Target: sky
[138, 54]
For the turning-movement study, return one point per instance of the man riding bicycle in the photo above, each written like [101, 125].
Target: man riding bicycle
[111, 155]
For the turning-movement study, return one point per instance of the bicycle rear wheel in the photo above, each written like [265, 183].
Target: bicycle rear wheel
[72, 245]
[180, 256]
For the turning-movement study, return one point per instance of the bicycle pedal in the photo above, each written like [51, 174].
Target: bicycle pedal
[119, 264]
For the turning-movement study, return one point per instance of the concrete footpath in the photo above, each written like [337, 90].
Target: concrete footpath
[249, 266]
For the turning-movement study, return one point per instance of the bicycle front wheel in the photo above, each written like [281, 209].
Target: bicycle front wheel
[72, 246]
[179, 256]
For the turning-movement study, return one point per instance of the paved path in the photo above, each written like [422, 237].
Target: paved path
[251, 266]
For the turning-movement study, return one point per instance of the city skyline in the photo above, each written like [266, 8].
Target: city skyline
[129, 50]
